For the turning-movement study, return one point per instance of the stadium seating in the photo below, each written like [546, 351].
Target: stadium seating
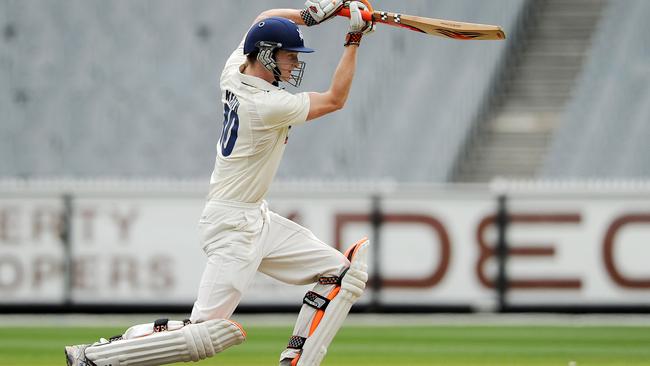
[604, 133]
[130, 89]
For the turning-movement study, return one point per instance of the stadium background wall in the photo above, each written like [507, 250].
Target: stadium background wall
[133, 246]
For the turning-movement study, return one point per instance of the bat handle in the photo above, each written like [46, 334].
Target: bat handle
[366, 15]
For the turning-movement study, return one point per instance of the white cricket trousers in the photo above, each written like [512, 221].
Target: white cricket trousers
[241, 239]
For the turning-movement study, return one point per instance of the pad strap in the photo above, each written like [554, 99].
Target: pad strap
[115, 338]
[315, 300]
[160, 325]
[296, 342]
[331, 280]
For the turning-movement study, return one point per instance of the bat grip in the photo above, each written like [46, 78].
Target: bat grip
[366, 15]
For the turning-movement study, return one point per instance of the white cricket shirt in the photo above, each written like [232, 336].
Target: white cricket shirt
[257, 119]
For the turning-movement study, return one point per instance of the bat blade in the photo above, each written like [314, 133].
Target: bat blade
[436, 27]
[445, 28]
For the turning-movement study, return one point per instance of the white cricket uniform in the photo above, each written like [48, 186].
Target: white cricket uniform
[240, 234]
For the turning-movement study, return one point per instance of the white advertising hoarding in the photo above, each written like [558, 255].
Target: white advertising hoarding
[580, 249]
[31, 254]
[435, 247]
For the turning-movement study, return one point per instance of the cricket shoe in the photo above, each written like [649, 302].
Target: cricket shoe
[289, 357]
[289, 361]
[76, 355]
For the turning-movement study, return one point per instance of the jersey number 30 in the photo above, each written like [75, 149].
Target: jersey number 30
[229, 132]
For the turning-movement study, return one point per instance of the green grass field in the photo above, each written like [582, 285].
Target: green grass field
[439, 345]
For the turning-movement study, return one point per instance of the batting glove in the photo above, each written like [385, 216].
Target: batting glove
[318, 11]
[358, 26]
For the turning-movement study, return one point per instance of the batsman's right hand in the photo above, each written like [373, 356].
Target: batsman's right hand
[357, 24]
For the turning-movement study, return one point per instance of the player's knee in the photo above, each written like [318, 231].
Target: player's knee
[354, 282]
[339, 268]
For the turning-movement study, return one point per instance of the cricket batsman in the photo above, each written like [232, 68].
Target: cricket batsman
[240, 235]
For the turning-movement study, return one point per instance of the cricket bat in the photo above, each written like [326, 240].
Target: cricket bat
[435, 27]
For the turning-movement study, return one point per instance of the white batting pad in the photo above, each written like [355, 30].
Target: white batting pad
[193, 342]
[352, 286]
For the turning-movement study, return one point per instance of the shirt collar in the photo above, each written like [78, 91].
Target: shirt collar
[255, 81]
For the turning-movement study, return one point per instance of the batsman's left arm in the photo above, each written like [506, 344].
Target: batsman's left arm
[291, 14]
[315, 12]
[336, 96]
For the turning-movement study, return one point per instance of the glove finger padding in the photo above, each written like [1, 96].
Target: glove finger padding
[320, 10]
[331, 8]
[357, 24]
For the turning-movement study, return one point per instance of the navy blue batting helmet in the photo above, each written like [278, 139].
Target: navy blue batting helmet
[276, 30]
